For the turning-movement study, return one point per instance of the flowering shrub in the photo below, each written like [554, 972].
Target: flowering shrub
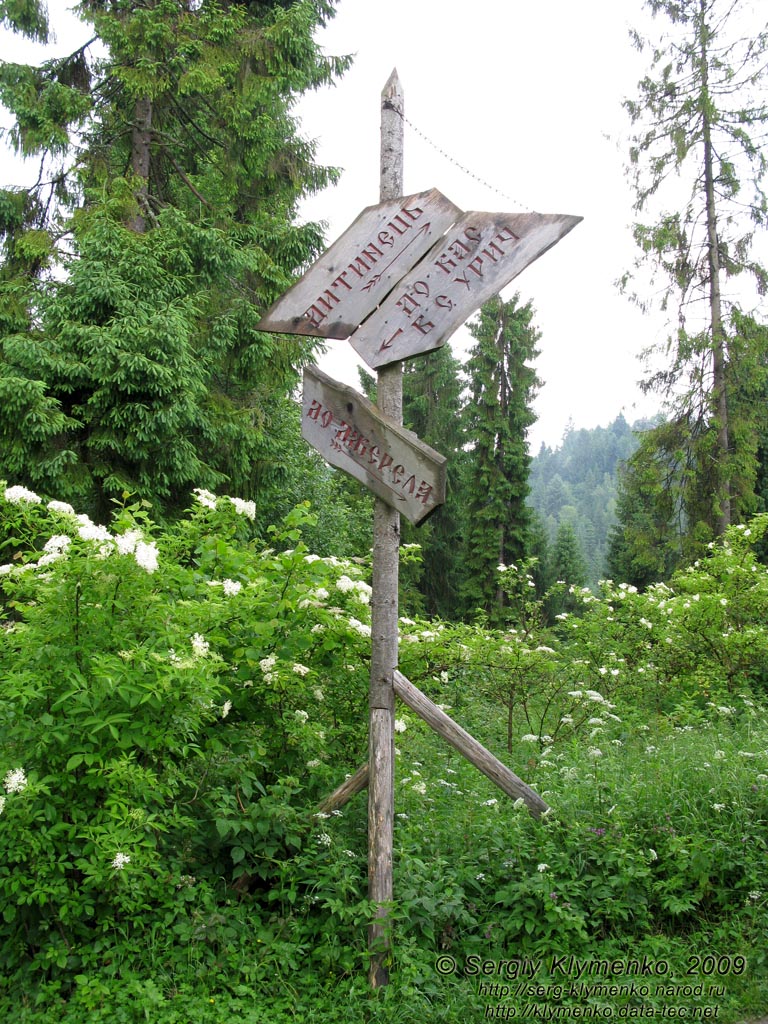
[170, 706]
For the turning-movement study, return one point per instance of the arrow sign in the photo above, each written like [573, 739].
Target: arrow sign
[478, 257]
[361, 267]
[351, 434]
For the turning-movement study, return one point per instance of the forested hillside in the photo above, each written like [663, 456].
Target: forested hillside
[576, 484]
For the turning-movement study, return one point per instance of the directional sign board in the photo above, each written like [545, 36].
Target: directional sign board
[478, 257]
[362, 266]
[351, 434]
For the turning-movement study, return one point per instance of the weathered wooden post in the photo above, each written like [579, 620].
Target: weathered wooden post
[396, 284]
[384, 602]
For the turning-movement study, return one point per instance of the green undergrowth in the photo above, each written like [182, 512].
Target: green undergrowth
[175, 704]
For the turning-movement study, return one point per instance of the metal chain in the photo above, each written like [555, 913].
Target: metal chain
[461, 167]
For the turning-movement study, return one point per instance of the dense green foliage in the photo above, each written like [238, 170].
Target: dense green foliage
[135, 269]
[176, 702]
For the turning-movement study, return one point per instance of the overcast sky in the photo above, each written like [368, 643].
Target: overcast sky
[526, 98]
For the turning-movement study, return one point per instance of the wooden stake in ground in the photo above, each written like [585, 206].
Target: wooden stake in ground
[384, 603]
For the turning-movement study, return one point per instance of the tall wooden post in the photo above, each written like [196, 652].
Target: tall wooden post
[384, 602]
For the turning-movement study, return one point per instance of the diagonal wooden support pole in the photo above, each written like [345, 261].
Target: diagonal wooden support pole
[467, 745]
[460, 739]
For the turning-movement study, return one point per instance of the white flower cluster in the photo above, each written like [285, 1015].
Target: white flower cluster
[15, 780]
[200, 646]
[360, 590]
[120, 860]
[15, 495]
[266, 665]
[244, 508]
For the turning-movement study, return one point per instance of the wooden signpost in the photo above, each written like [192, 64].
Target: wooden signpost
[478, 257]
[350, 433]
[399, 281]
[361, 267]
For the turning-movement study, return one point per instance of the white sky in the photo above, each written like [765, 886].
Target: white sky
[522, 95]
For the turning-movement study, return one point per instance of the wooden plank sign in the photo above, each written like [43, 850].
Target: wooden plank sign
[351, 434]
[478, 257]
[361, 267]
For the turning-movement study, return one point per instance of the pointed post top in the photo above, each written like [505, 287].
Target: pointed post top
[392, 133]
[393, 91]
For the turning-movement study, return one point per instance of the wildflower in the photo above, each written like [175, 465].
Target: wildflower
[90, 531]
[206, 498]
[594, 753]
[350, 854]
[146, 555]
[360, 627]
[491, 803]
[267, 664]
[718, 807]
[479, 876]
[299, 669]
[244, 508]
[57, 544]
[120, 860]
[501, 568]
[18, 493]
[318, 694]
[324, 839]
[301, 715]
[200, 646]
[126, 542]
[719, 755]
[754, 896]
[232, 587]
[529, 738]
[542, 868]
[62, 507]
[314, 763]
[400, 725]
[2, 804]
[15, 780]
[226, 708]
[520, 802]
[420, 787]
[652, 853]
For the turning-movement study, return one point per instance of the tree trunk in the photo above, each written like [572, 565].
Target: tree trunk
[141, 140]
[718, 342]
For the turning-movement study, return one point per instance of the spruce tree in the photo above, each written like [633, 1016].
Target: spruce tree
[162, 223]
[698, 166]
[432, 395]
[502, 385]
